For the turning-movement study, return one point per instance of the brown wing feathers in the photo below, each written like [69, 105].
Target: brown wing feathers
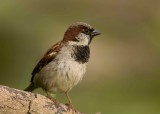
[48, 57]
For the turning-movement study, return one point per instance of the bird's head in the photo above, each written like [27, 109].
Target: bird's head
[80, 33]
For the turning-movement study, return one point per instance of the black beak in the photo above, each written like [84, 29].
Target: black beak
[95, 33]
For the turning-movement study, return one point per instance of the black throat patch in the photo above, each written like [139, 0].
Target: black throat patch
[81, 53]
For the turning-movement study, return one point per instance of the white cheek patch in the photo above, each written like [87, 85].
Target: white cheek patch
[83, 39]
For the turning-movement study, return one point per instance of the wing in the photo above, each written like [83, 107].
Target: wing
[48, 57]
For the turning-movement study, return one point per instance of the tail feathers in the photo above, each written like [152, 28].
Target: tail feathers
[30, 88]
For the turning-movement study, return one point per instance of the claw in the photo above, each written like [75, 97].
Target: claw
[70, 107]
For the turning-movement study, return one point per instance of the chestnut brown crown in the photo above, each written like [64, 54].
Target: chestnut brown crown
[79, 27]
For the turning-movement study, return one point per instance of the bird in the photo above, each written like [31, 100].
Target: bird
[63, 66]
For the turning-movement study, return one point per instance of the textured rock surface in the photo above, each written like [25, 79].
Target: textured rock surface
[13, 101]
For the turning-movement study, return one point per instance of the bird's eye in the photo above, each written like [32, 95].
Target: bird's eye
[86, 31]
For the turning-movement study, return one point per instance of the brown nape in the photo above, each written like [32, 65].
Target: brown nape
[71, 33]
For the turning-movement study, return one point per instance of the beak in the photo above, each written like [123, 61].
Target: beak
[95, 33]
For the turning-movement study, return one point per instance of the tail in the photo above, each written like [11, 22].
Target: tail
[30, 88]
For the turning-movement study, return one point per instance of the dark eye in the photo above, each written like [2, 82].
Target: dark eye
[86, 31]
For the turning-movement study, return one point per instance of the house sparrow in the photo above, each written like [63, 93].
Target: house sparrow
[64, 64]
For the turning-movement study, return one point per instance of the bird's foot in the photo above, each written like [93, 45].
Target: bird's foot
[70, 107]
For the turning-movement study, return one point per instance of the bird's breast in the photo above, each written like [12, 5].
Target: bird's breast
[67, 74]
[62, 73]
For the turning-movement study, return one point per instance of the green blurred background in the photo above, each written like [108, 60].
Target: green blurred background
[123, 72]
